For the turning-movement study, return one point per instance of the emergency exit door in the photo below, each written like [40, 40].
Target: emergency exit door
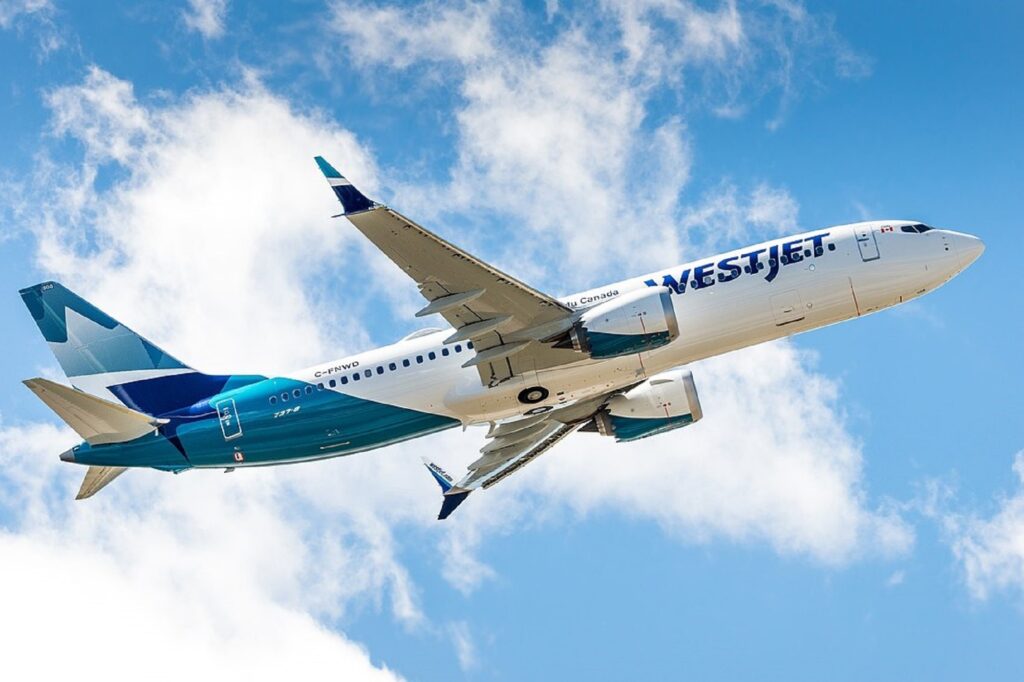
[227, 414]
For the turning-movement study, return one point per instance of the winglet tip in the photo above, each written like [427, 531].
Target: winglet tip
[327, 169]
[439, 474]
[352, 200]
[451, 503]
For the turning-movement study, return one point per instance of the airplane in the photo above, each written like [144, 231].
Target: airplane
[531, 367]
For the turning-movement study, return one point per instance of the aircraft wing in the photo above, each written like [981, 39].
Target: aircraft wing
[512, 445]
[505, 319]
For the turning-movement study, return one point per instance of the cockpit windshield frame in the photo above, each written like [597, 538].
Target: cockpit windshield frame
[916, 228]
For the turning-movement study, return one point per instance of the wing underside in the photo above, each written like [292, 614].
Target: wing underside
[512, 445]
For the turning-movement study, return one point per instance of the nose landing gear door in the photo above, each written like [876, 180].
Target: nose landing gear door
[867, 243]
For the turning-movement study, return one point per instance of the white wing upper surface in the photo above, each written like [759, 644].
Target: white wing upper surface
[503, 317]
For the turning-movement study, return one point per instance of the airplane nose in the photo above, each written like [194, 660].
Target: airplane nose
[969, 248]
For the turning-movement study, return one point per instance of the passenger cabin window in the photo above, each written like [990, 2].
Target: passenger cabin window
[406, 363]
[458, 348]
[419, 359]
[344, 380]
[432, 355]
[355, 377]
[309, 390]
[392, 366]
[297, 393]
[368, 373]
[273, 400]
[444, 352]
[469, 344]
[380, 369]
[284, 397]
[334, 383]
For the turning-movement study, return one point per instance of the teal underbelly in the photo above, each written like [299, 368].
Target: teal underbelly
[148, 451]
[323, 424]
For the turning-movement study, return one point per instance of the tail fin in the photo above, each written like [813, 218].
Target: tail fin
[103, 357]
[96, 420]
[86, 340]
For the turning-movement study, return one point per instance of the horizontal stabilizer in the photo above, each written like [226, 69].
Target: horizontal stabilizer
[96, 420]
[96, 478]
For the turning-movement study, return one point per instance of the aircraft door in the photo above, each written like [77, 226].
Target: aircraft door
[227, 414]
[867, 244]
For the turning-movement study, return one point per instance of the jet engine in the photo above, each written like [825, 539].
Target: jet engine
[633, 322]
[664, 402]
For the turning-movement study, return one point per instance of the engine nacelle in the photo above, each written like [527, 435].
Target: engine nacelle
[664, 402]
[633, 322]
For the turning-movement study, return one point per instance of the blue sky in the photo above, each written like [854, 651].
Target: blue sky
[851, 506]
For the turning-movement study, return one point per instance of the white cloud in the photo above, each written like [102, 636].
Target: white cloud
[35, 17]
[990, 550]
[11, 10]
[219, 225]
[430, 31]
[562, 135]
[465, 650]
[206, 17]
[210, 568]
[725, 217]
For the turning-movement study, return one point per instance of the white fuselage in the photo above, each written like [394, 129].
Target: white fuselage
[722, 304]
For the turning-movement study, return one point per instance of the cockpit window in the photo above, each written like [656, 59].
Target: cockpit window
[916, 228]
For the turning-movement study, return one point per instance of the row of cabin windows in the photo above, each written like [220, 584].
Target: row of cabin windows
[368, 373]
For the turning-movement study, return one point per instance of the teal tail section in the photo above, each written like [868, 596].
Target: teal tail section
[100, 355]
[87, 341]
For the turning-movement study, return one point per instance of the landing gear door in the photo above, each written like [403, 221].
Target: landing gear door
[867, 243]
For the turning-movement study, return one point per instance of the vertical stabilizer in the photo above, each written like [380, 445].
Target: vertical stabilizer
[86, 340]
[103, 357]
